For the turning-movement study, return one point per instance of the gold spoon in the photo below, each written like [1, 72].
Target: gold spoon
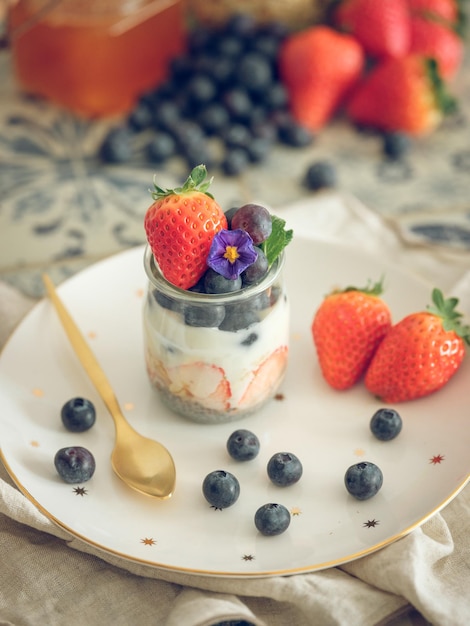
[142, 463]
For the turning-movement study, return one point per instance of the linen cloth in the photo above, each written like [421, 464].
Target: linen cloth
[48, 577]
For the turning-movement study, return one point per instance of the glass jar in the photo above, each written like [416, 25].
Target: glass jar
[94, 57]
[216, 358]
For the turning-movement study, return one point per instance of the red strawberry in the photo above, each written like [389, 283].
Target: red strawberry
[318, 67]
[419, 354]
[347, 328]
[447, 11]
[432, 39]
[180, 226]
[404, 94]
[381, 26]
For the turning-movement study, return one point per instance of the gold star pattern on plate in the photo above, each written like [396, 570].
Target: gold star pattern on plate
[148, 541]
[371, 523]
[80, 491]
[39, 393]
[437, 459]
[128, 406]
[359, 452]
[34, 443]
[91, 334]
[140, 293]
[279, 397]
[248, 557]
[295, 511]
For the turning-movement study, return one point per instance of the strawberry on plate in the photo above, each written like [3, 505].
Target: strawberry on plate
[381, 26]
[319, 66]
[420, 353]
[347, 328]
[430, 38]
[180, 226]
[405, 94]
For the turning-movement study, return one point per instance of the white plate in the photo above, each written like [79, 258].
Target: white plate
[424, 468]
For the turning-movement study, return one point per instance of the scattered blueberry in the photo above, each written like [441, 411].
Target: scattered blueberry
[78, 415]
[243, 445]
[320, 175]
[396, 145]
[255, 220]
[386, 424]
[284, 469]
[221, 489]
[74, 464]
[363, 480]
[272, 519]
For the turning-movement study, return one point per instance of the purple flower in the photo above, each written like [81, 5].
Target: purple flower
[231, 252]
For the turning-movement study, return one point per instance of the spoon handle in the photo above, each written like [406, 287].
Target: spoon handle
[83, 352]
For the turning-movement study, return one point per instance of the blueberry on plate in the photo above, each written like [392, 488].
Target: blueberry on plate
[243, 445]
[363, 480]
[78, 414]
[221, 489]
[284, 469]
[386, 424]
[75, 464]
[272, 519]
[396, 145]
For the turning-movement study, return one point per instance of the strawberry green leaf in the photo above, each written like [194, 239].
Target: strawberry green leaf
[196, 181]
[277, 240]
[451, 319]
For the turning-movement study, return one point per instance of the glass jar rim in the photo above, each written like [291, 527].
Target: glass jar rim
[158, 281]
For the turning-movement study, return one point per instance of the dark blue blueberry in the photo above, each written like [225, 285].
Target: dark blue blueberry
[236, 161]
[386, 424]
[272, 519]
[216, 283]
[243, 445]
[293, 134]
[117, 146]
[242, 25]
[236, 136]
[239, 316]
[363, 480]
[249, 339]
[75, 464]
[229, 214]
[284, 469]
[200, 89]
[166, 301]
[214, 118]
[254, 72]
[78, 415]
[221, 489]
[255, 219]
[161, 147]
[257, 270]
[238, 103]
[205, 315]
[320, 175]
[396, 144]
[141, 116]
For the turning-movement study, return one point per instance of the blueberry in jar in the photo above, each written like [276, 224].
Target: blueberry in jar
[221, 489]
[284, 469]
[255, 220]
[75, 464]
[363, 480]
[272, 519]
[243, 445]
[386, 424]
[78, 414]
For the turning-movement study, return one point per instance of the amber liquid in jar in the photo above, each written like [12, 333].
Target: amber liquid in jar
[94, 57]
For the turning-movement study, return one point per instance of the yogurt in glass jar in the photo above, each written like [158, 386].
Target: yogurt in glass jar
[216, 373]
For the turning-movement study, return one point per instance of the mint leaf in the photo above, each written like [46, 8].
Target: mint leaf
[277, 240]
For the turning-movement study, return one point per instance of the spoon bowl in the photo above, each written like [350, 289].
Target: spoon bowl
[142, 463]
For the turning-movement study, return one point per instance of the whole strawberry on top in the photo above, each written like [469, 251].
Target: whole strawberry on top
[347, 328]
[180, 226]
[420, 353]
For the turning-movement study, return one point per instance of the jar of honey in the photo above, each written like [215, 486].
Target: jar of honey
[94, 57]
